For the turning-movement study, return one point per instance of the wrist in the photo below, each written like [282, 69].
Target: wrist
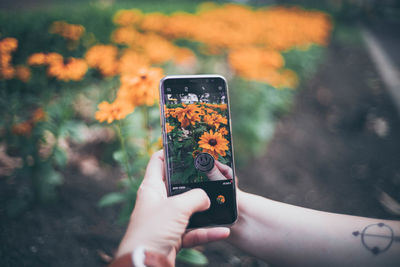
[142, 258]
[255, 214]
[240, 227]
[131, 241]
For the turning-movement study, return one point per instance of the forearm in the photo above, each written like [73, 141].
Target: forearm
[288, 235]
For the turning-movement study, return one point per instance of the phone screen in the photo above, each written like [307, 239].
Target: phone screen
[198, 144]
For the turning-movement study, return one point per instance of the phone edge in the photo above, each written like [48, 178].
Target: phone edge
[161, 102]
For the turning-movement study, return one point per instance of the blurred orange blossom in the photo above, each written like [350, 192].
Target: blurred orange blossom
[68, 31]
[113, 111]
[104, 58]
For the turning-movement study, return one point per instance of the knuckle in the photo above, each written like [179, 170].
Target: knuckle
[203, 196]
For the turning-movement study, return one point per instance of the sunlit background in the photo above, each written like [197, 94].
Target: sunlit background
[315, 103]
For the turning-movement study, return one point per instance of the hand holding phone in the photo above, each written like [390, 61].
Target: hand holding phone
[158, 223]
[198, 143]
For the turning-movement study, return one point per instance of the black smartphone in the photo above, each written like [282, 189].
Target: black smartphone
[196, 130]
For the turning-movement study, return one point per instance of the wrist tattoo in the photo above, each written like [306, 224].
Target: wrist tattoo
[377, 237]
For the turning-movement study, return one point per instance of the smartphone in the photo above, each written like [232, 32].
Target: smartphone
[196, 130]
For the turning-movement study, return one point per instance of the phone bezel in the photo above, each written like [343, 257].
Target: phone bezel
[164, 135]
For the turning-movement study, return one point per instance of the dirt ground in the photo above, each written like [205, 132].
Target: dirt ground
[337, 150]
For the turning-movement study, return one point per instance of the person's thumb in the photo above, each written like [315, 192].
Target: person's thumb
[191, 201]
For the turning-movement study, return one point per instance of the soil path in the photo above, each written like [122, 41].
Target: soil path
[339, 145]
[337, 150]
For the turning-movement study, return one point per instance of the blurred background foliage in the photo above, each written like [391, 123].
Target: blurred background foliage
[67, 105]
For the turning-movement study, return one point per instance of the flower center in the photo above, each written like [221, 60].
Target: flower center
[143, 77]
[116, 110]
[212, 142]
[66, 61]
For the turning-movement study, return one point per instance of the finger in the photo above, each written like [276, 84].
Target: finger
[191, 201]
[224, 169]
[215, 174]
[203, 236]
[155, 168]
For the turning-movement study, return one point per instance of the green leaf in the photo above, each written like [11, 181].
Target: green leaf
[187, 173]
[53, 177]
[119, 156]
[140, 163]
[111, 199]
[60, 157]
[176, 177]
[200, 129]
[74, 130]
[45, 183]
[223, 160]
[192, 256]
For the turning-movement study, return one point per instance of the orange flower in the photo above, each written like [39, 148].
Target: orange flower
[53, 58]
[25, 128]
[188, 115]
[154, 22]
[157, 48]
[195, 153]
[140, 88]
[223, 131]
[131, 62]
[184, 56]
[117, 110]
[8, 45]
[44, 59]
[22, 128]
[7, 72]
[38, 115]
[168, 127]
[214, 144]
[262, 65]
[215, 120]
[23, 73]
[37, 59]
[169, 111]
[5, 59]
[128, 17]
[68, 31]
[289, 79]
[253, 38]
[206, 109]
[253, 63]
[74, 69]
[220, 106]
[126, 35]
[104, 58]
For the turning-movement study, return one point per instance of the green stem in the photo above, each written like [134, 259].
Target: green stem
[123, 146]
[146, 126]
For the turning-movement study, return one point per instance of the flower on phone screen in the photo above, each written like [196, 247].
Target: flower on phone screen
[214, 144]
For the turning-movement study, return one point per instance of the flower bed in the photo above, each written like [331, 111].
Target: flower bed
[63, 74]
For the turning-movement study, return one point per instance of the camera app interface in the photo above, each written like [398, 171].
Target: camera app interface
[199, 145]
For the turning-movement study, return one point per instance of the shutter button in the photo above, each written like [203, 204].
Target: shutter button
[204, 162]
